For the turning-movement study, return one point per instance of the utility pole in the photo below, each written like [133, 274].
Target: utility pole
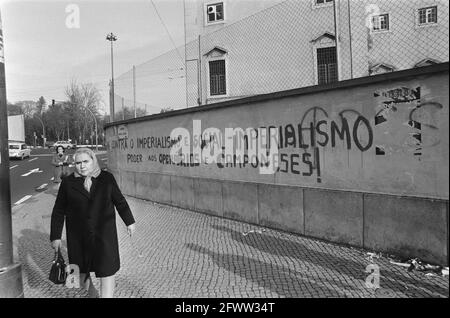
[10, 272]
[336, 11]
[200, 97]
[123, 109]
[111, 108]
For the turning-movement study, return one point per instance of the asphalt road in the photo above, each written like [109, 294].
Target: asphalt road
[33, 172]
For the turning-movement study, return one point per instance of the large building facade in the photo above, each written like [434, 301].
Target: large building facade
[239, 48]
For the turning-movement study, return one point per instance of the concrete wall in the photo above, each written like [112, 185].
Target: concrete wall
[382, 186]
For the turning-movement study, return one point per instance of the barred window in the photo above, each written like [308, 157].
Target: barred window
[214, 12]
[323, 1]
[217, 80]
[428, 15]
[327, 65]
[380, 22]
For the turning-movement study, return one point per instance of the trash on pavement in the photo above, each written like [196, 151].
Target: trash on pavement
[418, 265]
[400, 264]
[253, 231]
[423, 267]
[445, 271]
[372, 255]
[431, 274]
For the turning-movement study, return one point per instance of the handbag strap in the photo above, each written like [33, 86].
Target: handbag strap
[58, 255]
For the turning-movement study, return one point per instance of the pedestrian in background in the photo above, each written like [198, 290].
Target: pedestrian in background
[86, 201]
[61, 162]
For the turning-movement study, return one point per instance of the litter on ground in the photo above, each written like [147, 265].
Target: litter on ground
[253, 231]
[418, 265]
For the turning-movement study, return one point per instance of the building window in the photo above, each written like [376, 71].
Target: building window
[319, 2]
[214, 12]
[380, 22]
[327, 65]
[428, 15]
[217, 79]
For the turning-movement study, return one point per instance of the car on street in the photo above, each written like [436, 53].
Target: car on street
[65, 144]
[19, 150]
[49, 144]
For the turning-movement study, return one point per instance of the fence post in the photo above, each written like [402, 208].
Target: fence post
[123, 108]
[134, 90]
[336, 34]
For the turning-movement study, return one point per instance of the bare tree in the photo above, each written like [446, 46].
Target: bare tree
[83, 100]
[28, 108]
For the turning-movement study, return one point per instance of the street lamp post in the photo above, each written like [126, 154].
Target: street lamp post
[10, 271]
[111, 37]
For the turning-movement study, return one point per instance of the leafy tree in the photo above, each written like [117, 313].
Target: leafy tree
[14, 109]
[40, 105]
[32, 125]
[56, 120]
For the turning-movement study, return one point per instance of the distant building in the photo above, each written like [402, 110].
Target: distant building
[16, 128]
[257, 47]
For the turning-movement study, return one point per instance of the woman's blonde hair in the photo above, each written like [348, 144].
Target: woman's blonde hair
[88, 152]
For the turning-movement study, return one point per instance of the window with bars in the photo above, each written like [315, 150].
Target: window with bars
[380, 22]
[319, 2]
[327, 65]
[214, 12]
[217, 79]
[428, 15]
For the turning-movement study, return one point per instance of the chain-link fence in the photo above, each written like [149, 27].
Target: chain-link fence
[240, 50]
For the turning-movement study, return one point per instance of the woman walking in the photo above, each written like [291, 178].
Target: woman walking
[61, 162]
[86, 201]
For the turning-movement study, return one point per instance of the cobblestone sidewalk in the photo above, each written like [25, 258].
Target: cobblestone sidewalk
[180, 253]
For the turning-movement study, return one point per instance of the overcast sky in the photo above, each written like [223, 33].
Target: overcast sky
[45, 49]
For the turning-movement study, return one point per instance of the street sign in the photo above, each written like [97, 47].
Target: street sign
[122, 132]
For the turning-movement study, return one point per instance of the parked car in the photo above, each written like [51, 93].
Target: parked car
[65, 144]
[19, 150]
[49, 144]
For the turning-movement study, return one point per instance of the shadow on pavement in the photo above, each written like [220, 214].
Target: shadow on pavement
[279, 279]
[36, 256]
[340, 265]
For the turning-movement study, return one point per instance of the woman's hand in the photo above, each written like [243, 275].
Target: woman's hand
[131, 228]
[56, 244]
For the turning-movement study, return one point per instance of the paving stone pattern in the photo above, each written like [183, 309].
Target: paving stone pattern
[179, 253]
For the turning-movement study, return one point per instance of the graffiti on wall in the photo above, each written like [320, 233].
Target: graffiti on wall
[403, 123]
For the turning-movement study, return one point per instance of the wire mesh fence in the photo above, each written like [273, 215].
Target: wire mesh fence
[238, 49]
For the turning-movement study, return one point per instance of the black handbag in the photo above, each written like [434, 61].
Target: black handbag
[58, 272]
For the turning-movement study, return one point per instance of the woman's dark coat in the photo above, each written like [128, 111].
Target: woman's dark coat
[90, 218]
